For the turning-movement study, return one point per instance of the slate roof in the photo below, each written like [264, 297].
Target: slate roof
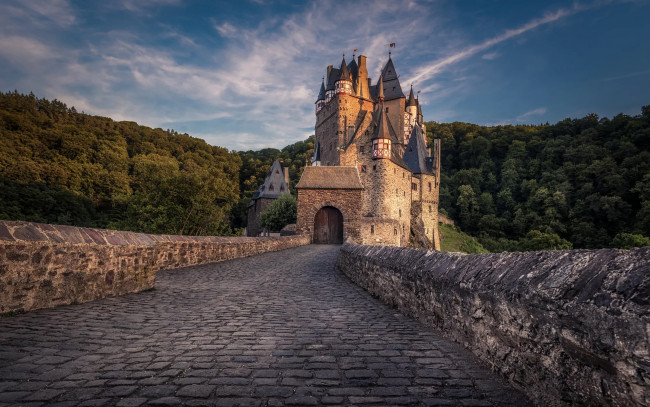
[273, 185]
[317, 152]
[392, 88]
[330, 178]
[353, 68]
[415, 155]
[335, 74]
[345, 74]
[381, 127]
[411, 101]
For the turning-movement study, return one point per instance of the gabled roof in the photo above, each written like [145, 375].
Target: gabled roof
[330, 177]
[273, 185]
[415, 155]
[321, 94]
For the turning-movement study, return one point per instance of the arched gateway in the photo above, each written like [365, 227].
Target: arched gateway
[328, 226]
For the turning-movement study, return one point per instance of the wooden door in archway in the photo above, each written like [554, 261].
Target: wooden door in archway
[328, 226]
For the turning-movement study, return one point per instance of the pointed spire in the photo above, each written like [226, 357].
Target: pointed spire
[321, 94]
[380, 90]
[345, 73]
[411, 101]
[382, 127]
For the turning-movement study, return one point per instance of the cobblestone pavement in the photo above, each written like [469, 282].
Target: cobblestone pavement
[283, 328]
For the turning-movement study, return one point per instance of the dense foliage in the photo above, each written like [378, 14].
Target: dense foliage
[581, 183]
[61, 166]
[280, 213]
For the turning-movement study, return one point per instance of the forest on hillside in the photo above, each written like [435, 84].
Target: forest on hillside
[61, 166]
[579, 183]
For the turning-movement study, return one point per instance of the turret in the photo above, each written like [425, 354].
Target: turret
[321, 97]
[344, 83]
[381, 144]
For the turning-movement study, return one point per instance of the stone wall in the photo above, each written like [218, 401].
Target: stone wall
[47, 265]
[567, 327]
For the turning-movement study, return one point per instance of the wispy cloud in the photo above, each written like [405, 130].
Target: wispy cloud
[531, 113]
[428, 71]
[490, 56]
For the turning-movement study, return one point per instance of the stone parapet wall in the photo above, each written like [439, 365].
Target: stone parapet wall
[48, 265]
[567, 327]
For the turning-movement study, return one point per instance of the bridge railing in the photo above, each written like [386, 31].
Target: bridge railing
[567, 327]
[45, 265]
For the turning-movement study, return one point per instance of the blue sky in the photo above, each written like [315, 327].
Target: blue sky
[245, 74]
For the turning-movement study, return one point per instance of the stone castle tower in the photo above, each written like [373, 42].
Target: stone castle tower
[372, 170]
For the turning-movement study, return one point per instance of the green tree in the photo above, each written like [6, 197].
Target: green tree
[630, 241]
[280, 213]
[536, 240]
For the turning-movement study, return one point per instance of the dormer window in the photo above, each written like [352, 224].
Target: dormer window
[271, 187]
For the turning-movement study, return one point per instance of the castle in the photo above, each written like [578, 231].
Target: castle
[373, 179]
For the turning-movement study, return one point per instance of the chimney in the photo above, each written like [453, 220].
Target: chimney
[364, 89]
[286, 176]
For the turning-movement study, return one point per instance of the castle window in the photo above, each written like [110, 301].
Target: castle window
[363, 168]
[414, 186]
[374, 168]
[395, 231]
[394, 170]
[429, 208]
[271, 187]
[372, 229]
[281, 188]
[400, 213]
[404, 193]
[277, 172]
[386, 110]
[362, 149]
[429, 187]
[396, 191]
[403, 174]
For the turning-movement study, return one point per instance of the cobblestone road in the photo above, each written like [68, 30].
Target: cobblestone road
[282, 328]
